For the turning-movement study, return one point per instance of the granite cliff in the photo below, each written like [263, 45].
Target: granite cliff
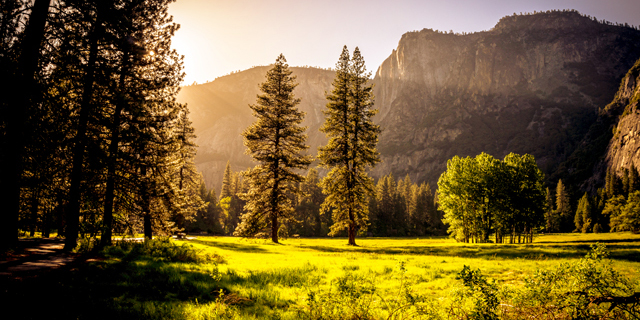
[532, 84]
[535, 84]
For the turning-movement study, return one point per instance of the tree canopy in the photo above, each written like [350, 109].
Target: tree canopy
[482, 196]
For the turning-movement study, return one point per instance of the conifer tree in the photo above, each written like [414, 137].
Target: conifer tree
[351, 149]
[226, 182]
[634, 179]
[563, 210]
[275, 140]
[550, 216]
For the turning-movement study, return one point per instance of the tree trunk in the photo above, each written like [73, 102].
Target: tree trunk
[146, 205]
[34, 212]
[105, 240]
[352, 234]
[274, 228]
[73, 210]
[17, 112]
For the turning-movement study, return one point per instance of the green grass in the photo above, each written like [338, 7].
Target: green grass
[255, 279]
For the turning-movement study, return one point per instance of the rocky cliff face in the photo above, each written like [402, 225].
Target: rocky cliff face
[624, 148]
[220, 112]
[532, 84]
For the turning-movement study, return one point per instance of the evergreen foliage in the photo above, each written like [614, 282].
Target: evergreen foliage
[111, 150]
[583, 218]
[275, 141]
[351, 149]
[563, 208]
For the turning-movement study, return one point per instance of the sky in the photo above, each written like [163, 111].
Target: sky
[218, 37]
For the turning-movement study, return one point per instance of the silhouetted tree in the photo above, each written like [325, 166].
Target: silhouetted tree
[275, 140]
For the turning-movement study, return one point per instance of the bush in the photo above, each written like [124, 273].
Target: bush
[589, 289]
[162, 249]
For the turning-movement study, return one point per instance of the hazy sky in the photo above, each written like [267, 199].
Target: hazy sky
[221, 36]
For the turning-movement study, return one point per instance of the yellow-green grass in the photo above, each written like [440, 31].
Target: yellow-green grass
[281, 275]
[262, 280]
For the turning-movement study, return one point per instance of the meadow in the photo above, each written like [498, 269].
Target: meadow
[382, 278]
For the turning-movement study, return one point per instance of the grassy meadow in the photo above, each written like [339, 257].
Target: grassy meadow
[233, 278]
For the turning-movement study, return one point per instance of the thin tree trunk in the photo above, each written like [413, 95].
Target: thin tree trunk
[15, 130]
[146, 205]
[34, 212]
[274, 228]
[73, 210]
[105, 240]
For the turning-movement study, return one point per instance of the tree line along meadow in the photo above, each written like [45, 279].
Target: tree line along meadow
[95, 143]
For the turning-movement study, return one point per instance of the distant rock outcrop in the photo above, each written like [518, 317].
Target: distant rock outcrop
[624, 148]
[533, 84]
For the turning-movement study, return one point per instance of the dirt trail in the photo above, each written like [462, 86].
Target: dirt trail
[35, 255]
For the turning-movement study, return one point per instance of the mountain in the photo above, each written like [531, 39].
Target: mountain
[623, 149]
[220, 112]
[535, 83]
[532, 84]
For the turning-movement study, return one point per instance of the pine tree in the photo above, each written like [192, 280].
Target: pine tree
[563, 210]
[275, 140]
[351, 149]
[16, 108]
[634, 179]
[308, 207]
[550, 216]
[226, 182]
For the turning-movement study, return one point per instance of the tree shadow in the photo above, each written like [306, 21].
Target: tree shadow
[522, 251]
[139, 288]
[249, 248]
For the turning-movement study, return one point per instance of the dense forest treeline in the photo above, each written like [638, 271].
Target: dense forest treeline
[398, 207]
[92, 138]
[94, 143]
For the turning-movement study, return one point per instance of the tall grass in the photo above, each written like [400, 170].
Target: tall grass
[231, 278]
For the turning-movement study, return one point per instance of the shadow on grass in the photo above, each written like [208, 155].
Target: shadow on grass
[627, 252]
[249, 248]
[593, 241]
[136, 288]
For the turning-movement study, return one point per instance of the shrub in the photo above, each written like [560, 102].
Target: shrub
[162, 249]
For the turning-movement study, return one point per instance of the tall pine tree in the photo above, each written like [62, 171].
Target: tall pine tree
[275, 140]
[352, 146]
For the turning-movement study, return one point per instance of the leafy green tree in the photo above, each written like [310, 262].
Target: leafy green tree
[351, 149]
[482, 195]
[275, 141]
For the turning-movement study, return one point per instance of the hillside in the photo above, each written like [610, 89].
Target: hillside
[532, 84]
[220, 112]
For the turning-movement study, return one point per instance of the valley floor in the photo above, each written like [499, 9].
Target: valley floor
[300, 278]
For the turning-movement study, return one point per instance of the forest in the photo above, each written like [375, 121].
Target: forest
[100, 147]
[98, 155]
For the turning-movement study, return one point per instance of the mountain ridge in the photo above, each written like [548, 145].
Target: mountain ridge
[532, 84]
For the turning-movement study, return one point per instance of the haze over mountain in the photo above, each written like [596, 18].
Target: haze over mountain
[532, 84]
[220, 112]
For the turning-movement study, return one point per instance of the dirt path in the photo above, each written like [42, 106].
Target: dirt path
[33, 256]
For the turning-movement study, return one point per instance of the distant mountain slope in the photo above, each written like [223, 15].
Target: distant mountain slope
[532, 84]
[220, 112]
